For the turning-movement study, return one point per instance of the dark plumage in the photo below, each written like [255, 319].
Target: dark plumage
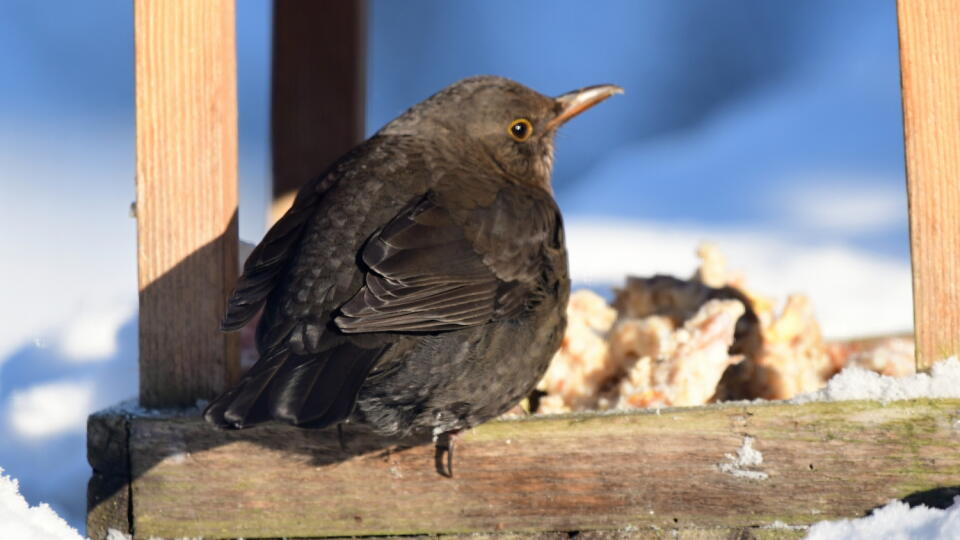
[419, 285]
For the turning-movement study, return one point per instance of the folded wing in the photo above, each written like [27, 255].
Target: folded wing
[426, 275]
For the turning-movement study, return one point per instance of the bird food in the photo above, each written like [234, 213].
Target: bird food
[666, 341]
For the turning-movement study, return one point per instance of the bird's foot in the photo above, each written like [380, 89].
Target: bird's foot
[444, 445]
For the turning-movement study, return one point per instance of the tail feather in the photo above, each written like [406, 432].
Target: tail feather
[342, 407]
[245, 404]
[312, 391]
[323, 391]
[293, 387]
[250, 406]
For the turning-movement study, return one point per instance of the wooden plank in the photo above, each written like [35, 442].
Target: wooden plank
[930, 72]
[628, 533]
[186, 197]
[638, 471]
[317, 90]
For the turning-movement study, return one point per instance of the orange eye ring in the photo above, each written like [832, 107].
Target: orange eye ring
[520, 129]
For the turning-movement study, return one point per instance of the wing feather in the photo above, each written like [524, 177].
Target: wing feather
[424, 274]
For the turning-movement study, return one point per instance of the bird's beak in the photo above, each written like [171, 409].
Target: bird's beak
[574, 103]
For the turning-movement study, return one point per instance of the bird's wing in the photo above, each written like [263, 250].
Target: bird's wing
[274, 254]
[433, 268]
[267, 261]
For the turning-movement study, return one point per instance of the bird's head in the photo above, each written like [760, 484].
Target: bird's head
[496, 122]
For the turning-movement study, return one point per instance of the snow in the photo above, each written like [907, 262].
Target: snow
[20, 521]
[857, 383]
[895, 521]
[131, 407]
[844, 206]
[93, 337]
[46, 410]
[45, 398]
[746, 459]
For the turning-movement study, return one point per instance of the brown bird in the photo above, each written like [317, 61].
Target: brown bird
[420, 284]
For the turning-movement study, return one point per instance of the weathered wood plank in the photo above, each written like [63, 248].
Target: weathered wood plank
[629, 533]
[930, 73]
[634, 471]
[317, 90]
[186, 197]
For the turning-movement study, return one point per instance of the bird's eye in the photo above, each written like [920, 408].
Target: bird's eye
[520, 129]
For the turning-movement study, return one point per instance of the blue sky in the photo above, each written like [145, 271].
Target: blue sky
[770, 126]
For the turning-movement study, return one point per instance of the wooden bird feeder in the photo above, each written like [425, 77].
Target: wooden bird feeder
[168, 475]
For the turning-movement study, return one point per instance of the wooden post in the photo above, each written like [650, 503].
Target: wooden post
[318, 90]
[186, 197]
[930, 72]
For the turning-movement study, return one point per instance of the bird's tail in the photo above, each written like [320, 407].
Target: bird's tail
[315, 390]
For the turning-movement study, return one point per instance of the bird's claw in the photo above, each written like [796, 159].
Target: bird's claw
[444, 445]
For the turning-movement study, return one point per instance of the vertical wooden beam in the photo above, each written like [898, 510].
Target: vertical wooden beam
[318, 89]
[930, 73]
[186, 196]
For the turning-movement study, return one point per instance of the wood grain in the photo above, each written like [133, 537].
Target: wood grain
[318, 90]
[930, 72]
[186, 197]
[638, 472]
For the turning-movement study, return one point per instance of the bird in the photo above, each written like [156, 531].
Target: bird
[418, 285]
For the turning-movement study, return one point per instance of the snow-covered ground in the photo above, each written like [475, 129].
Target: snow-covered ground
[20, 521]
[895, 521]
